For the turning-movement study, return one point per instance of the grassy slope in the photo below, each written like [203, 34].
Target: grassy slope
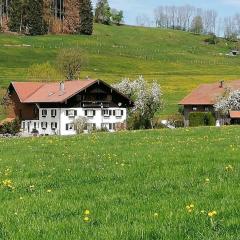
[179, 61]
[123, 179]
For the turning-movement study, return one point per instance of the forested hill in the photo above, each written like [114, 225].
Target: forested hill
[178, 60]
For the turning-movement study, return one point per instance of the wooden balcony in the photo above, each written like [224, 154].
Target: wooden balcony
[95, 104]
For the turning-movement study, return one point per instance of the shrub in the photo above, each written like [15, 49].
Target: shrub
[135, 121]
[201, 119]
[11, 127]
[212, 39]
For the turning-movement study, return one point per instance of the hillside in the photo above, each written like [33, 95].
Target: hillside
[178, 60]
[136, 185]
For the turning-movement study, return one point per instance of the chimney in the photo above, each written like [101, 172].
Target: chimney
[62, 87]
[221, 84]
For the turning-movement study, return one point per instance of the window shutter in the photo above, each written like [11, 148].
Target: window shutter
[66, 126]
[75, 112]
[122, 112]
[114, 112]
[67, 113]
[94, 112]
[110, 112]
[85, 112]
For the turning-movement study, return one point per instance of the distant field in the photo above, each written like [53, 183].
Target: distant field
[136, 185]
[179, 61]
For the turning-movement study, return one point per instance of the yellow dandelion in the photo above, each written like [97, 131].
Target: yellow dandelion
[86, 212]
[212, 214]
[86, 219]
[155, 214]
[49, 190]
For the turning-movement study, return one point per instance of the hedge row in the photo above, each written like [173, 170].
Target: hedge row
[201, 119]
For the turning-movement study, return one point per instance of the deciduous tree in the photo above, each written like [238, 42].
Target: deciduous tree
[70, 63]
[147, 98]
[103, 12]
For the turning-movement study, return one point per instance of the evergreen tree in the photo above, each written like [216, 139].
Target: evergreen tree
[17, 14]
[103, 12]
[35, 18]
[86, 17]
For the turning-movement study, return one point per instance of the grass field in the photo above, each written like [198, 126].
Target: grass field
[136, 185]
[179, 61]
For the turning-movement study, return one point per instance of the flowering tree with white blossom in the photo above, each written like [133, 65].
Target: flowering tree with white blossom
[147, 97]
[230, 101]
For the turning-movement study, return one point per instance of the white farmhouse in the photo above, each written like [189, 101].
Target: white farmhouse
[51, 108]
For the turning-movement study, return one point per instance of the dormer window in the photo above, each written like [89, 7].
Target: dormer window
[44, 113]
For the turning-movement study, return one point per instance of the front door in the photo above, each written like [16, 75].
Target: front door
[28, 127]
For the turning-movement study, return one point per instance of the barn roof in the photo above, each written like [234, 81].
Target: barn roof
[207, 94]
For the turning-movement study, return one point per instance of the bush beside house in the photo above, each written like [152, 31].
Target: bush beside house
[12, 127]
[201, 119]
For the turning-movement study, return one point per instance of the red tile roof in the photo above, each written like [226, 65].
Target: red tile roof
[234, 114]
[26, 89]
[30, 92]
[207, 94]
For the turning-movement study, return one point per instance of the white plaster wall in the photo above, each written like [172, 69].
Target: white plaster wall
[62, 119]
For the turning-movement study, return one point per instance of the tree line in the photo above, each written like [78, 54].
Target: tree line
[38, 17]
[197, 20]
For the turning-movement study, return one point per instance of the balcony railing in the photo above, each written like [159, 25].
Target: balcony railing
[95, 104]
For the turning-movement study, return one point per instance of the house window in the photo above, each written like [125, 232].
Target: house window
[105, 126]
[53, 113]
[118, 113]
[44, 113]
[44, 125]
[71, 113]
[194, 108]
[53, 125]
[112, 126]
[106, 113]
[69, 126]
[90, 113]
[206, 109]
[35, 125]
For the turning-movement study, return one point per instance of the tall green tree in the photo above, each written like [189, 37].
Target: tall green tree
[17, 14]
[103, 12]
[197, 25]
[35, 18]
[86, 17]
[117, 16]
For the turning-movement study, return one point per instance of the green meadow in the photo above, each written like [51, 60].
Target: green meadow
[179, 61]
[181, 184]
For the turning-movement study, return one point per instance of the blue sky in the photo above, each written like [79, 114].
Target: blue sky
[133, 8]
